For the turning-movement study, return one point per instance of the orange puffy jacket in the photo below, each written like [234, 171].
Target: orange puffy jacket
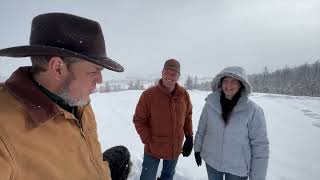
[162, 120]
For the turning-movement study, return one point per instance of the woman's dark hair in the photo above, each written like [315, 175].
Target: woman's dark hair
[228, 105]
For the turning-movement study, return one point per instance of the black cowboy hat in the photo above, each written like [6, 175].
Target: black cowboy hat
[65, 35]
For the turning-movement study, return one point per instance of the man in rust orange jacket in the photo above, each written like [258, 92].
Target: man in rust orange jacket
[162, 118]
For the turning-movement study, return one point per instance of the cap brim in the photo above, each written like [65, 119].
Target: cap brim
[39, 50]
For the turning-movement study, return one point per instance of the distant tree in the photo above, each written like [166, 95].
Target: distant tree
[205, 86]
[118, 87]
[138, 85]
[105, 87]
[188, 84]
[130, 85]
[195, 82]
[316, 79]
[135, 86]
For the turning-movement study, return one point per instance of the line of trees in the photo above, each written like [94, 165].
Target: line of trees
[302, 80]
[106, 87]
[192, 82]
[135, 85]
[111, 87]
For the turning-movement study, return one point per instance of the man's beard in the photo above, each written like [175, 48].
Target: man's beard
[64, 93]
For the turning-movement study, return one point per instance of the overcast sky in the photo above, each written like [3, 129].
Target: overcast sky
[204, 35]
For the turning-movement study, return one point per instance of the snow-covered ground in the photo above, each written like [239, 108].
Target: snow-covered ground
[293, 127]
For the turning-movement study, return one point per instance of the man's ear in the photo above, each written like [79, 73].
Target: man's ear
[56, 67]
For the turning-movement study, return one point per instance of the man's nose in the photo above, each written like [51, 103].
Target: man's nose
[99, 78]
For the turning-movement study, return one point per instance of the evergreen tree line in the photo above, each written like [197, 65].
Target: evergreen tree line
[135, 85]
[303, 80]
[107, 87]
[192, 82]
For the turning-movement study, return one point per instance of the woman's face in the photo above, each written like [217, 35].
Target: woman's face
[230, 87]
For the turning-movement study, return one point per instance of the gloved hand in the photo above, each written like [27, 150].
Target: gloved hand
[198, 158]
[187, 146]
[118, 158]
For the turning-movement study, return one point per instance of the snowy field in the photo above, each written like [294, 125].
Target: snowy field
[293, 127]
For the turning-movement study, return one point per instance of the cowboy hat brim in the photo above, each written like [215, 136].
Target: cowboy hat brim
[40, 50]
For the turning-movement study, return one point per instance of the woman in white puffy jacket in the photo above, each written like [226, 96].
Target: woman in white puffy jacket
[232, 135]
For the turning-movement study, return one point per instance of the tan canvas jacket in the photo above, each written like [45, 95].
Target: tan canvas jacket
[39, 140]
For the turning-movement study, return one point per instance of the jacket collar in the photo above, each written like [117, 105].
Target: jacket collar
[38, 105]
[56, 99]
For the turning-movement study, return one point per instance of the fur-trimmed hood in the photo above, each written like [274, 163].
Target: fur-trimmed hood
[232, 71]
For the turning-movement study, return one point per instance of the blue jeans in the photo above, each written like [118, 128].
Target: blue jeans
[217, 175]
[150, 167]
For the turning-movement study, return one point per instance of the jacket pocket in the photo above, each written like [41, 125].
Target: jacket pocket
[160, 146]
[233, 156]
[211, 149]
[247, 158]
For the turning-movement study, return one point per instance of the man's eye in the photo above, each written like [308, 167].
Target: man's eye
[92, 73]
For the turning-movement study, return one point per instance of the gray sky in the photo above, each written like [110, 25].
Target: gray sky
[204, 35]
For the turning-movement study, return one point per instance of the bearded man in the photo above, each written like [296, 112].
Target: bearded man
[47, 126]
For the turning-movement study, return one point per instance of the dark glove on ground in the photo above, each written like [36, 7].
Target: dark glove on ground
[187, 146]
[198, 158]
[118, 158]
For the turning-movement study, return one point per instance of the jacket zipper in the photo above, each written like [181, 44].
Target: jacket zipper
[90, 151]
[221, 153]
[172, 123]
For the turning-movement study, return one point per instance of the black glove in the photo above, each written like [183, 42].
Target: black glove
[118, 158]
[187, 146]
[198, 158]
